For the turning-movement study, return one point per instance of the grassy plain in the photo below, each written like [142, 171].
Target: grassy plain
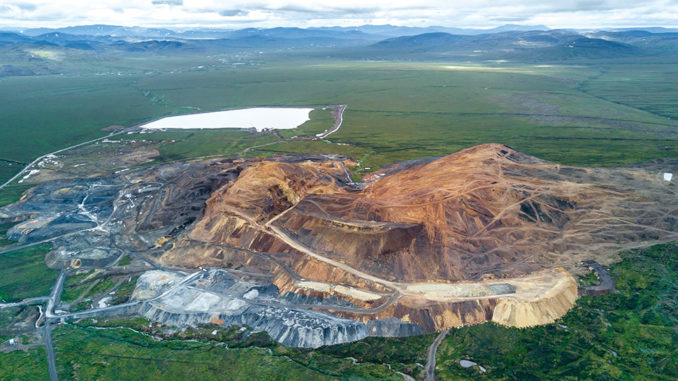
[576, 114]
[658, 94]
[86, 352]
[189, 144]
[402, 354]
[43, 114]
[30, 364]
[4, 241]
[23, 274]
[12, 193]
[405, 111]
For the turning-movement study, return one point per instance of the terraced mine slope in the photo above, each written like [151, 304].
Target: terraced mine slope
[486, 234]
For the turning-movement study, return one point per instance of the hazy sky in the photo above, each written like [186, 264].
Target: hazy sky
[305, 13]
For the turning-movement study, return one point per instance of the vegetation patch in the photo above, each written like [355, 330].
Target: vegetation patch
[4, 241]
[30, 364]
[627, 335]
[580, 114]
[86, 287]
[406, 355]
[17, 320]
[12, 193]
[149, 351]
[590, 279]
[126, 260]
[23, 274]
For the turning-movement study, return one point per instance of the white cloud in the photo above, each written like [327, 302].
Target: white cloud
[302, 13]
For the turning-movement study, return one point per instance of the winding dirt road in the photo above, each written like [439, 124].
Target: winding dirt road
[339, 119]
[431, 357]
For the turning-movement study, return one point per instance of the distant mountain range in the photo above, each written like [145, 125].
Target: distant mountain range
[508, 42]
[554, 45]
[374, 31]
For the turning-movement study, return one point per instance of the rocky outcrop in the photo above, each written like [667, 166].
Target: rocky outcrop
[291, 327]
[215, 296]
[393, 328]
[543, 308]
[153, 283]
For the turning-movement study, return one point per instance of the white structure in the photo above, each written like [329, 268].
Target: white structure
[668, 176]
[11, 342]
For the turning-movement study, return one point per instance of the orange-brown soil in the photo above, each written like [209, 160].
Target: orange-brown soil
[486, 214]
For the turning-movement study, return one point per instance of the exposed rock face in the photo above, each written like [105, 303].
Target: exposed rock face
[94, 221]
[153, 283]
[393, 327]
[543, 308]
[484, 213]
[485, 210]
[537, 298]
[218, 297]
[291, 327]
[68, 208]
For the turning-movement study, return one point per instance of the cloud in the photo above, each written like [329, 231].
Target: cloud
[303, 13]
[336, 9]
[17, 7]
[168, 2]
[23, 6]
[509, 19]
[232, 12]
[589, 6]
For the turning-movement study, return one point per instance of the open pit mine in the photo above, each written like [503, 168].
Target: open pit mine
[292, 246]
